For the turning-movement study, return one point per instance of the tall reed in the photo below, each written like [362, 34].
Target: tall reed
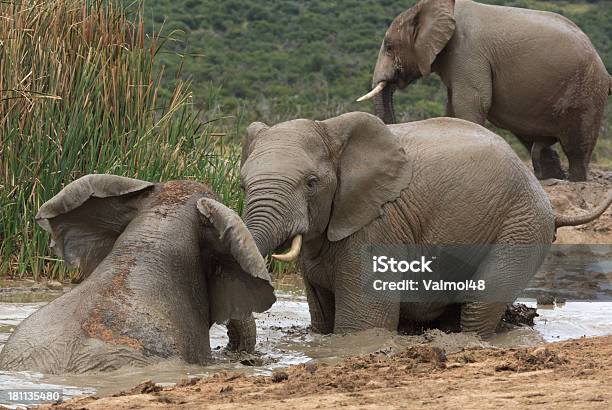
[79, 94]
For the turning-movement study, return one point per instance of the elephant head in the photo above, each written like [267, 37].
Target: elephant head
[411, 44]
[160, 263]
[307, 180]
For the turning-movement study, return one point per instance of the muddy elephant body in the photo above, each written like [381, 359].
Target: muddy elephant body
[531, 72]
[349, 182]
[161, 264]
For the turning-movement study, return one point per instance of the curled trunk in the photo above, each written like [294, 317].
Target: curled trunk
[383, 105]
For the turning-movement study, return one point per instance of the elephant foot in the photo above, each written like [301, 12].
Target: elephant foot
[579, 157]
[321, 306]
[481, 318]
[552, 172]
[242, 335]
[578, 173]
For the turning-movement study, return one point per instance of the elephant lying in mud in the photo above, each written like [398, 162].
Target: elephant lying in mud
[332, 187]
[531, 72]
[161, 263]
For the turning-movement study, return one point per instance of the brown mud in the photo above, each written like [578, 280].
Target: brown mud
[570, 374]
[572, 198]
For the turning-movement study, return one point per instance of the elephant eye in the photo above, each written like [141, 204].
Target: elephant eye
[311, 182]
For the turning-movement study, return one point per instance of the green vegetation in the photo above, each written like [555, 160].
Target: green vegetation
[278, 59]
[78, 95]
[84, 89]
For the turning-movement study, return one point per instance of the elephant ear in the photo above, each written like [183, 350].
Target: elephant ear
[372, 170]
[434, 24]
[242, 285]
[249, 138]
[86, 217]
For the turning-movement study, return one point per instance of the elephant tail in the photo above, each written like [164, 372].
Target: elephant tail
[564, 220]
[610, 85]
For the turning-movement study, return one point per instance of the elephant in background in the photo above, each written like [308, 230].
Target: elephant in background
[161, 263]
[330, 188]
[531, 72]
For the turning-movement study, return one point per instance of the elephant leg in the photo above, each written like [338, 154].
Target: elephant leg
[580, 137]
[321, 307]
[536, 153]
[579, 157]
[450, 319]
[354, 314]
[545, 160]
[358, 310]
[242, 335]
[505, 272]
[551, 164]
[481, 317]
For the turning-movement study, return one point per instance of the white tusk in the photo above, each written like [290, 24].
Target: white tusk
[292, 254]
[375, 91]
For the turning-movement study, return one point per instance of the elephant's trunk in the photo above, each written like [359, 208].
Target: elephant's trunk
[270, 219]
[264, 221]
[264, 231]
[383, 105]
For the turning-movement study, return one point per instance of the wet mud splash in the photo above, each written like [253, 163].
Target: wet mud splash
[284, 339]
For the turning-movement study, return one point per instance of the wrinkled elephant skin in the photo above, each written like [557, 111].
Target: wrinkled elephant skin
[160, 263]
[531, 72]
[351, 181]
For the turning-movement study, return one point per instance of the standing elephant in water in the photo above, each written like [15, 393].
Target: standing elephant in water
[531, 72]
[333, 187]
[161, 263]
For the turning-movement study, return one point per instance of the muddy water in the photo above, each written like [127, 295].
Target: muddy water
[284, 339]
